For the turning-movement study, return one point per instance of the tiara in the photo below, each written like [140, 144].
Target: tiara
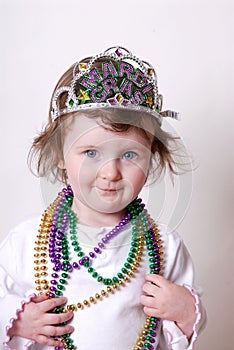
[115, 79]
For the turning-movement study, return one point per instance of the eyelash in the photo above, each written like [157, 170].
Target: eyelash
[133, 154]
[91, 153]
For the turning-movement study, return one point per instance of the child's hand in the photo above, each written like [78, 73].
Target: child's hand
[169, 301]
[36, 323]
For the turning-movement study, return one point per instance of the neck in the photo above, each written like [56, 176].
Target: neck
[93, 218]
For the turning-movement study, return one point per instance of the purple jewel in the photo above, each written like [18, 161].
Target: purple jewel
[86, 258]
[101, 245]
[70, 268]
[118, 52]
[104, 240]
[56, 268]
[92, 255]
[51, 295]
[126, 102]
[75, 265]
[53, 288]
[53, 282]
[112, 101]
[97, 250]
[81, 262]
[55, 275]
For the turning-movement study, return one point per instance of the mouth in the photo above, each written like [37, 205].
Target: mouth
[107, 190]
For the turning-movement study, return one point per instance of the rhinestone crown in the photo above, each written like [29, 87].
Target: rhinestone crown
[115, 79]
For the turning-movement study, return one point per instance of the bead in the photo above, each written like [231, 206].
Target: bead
[103, 293]
[80, 306]
[71, 307]
[86, 303]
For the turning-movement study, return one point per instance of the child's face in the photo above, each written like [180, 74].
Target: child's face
[106, 169]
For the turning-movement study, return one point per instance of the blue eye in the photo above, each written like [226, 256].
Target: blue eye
[129, 155]
[91, 153]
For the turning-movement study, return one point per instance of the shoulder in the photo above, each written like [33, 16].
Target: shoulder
[24, 231]
[178, 265]
[168, 235]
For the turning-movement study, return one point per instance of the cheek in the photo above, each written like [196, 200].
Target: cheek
[137, 177]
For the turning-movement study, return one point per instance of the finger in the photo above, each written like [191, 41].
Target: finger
[50, 304]
[150, 289]
[40, 298]
[44, 340]
[53, 331]
[148, 301]
[158, 280]
[55, 319]
[152, 312]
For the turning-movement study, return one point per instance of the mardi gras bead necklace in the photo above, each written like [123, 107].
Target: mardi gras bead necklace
[53, 238]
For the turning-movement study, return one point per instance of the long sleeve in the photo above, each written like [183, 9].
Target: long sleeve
[179, 269]
[15, 252]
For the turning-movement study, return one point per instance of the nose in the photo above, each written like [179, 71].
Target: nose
[110, 170]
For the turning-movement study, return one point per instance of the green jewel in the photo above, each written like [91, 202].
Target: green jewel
[115, 279]
[58, 293]
[58, 310]
[100, 279]
[80, 254]
[152, 259]
[95, 274]
[149, 241]
[119, 274]
[65, 275]
[148, 338]
[125, 271]
[90, 269]
[60, 287]
[77, 248]
[127, 265]
[71, 102]
[133, 250]
[153, 318]
[62, 281]
[87, 264]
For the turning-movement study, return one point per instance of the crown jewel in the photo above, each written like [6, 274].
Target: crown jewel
[114, 79]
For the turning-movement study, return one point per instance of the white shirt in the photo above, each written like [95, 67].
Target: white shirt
[113, 323]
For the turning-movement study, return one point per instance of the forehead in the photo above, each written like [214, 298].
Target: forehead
[83, 130]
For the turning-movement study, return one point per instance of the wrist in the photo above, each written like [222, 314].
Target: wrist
[186, 324]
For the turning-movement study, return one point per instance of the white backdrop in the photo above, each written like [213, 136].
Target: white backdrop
[190, 42]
